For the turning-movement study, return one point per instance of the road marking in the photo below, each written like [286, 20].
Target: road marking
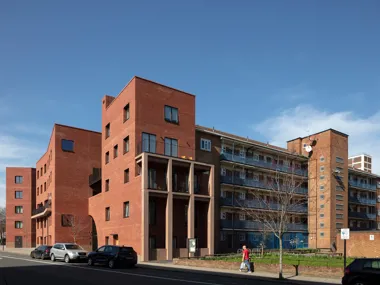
[117, 272]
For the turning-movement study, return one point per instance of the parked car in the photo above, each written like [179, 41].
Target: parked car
[362, 271]
[67, 252]
[113, 256]
[42, 252]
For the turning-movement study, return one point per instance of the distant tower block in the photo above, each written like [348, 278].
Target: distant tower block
[361, 161]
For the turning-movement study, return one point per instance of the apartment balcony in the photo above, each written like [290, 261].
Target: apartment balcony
[257, 184]
[95, 177]
[362, 201]
[255, 204]
[356, 229]
[360, 215]
[365, 186]
[251, 225]
[263, 164]
[42, 211]
[170, 149]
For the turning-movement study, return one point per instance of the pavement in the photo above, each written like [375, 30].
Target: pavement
[16, 268]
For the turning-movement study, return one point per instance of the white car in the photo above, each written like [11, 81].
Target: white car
[68, 252]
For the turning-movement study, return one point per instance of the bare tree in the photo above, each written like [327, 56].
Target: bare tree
[79, 226]
[276, 207]
[2, 225]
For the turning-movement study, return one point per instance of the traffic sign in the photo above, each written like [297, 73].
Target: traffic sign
[345, 234]
[371, 237]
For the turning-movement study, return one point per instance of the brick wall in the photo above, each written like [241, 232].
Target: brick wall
[360, 245]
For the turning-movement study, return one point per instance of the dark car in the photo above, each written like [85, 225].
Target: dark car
[362, 271]
[42, 252]
[113, 256]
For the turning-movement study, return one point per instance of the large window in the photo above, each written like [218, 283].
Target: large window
[108, 214]
[18, 224]
[205, 145]
[126, 209]
[19, 179]
[171, 114]
[149, 143]
[18, 194]
[66, 145]
[126, 145]
[19, 209]
[126, 113]
[171, 147]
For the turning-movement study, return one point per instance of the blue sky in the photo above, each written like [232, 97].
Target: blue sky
[270, 70]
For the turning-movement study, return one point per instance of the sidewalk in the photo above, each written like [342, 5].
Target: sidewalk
[23, 251]
[237, 274]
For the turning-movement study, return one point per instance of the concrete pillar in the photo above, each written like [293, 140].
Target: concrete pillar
[191, 179]
[144, 209]
[169, 212]
[211, 214]
[190, 209]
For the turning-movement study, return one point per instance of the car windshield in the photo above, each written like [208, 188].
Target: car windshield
[73, 246]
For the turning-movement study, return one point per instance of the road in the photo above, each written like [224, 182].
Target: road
[20, 270]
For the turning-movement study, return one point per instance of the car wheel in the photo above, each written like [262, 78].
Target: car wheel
[32, 255]
[52, 257]
[90, 262]
[67, 259]
[111, 264]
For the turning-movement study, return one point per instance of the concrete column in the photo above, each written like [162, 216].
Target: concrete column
[144, 209]
[191, 179]
[169, 212]
[190, 209]
[211, 214]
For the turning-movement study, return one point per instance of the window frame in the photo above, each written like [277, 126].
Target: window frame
[108, 214]
[17, 192]
[126, 145]
[19, 207]
[125, 214]
[126, 176]
[107, 185]
[205, 142]
[115, 151]
[107, 157]
[169, 141]
[171, 120]
[64, 148]
[19, 223]
[150, 147]
[107, 130]
[19, 179]
[126, 113]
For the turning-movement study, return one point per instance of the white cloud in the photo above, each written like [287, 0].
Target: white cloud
[303, 120]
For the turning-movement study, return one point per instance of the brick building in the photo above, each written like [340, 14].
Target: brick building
[20, 196]
[362, 162]
[62, 190]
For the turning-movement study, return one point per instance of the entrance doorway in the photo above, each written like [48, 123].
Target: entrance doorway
[18, 242]
[115, 239]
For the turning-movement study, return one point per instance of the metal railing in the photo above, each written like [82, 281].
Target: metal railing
[247, 182]
[362, 215]
[365, 186]
[238, 224]
[263, 164]
[360, 200]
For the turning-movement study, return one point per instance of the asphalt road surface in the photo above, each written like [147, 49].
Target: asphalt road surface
[20, 270]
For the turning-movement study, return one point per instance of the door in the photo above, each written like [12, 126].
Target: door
[61, 251]
[108, 253]
[115, 239]
[99, 255]
[18, 242]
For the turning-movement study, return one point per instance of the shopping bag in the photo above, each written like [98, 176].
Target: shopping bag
[242, 266]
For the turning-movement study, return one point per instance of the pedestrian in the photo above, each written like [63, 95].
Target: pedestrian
[245, 259]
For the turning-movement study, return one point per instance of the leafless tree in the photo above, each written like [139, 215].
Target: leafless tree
[79, 226]
[2, 225]
[274, 209]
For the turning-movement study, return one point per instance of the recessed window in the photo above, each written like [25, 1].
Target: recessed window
[126, 175]
[126, 209]
[45, 168]
[41, 189]
[338, 188]
[339, 159]
[107, 185]
[321, 187]
[107, 158]
[148, 143]
[322, 168]
[339, 197]
[67, 220]
[322, 158]
[18, 224]
[339, 216]
[321, 215]
[108, 130]
[339, 225]
[126, 145]
[19, 179]
[115, 151]
[322, 177]
[126, 113]
[205, 144]
[322, 234]
[339, 207]
[322, 206]
[19, 210]
[322, 197]
[322, 225]
[18, 194]
[171, 114]
[108, 214]
[44, 186]
[66, 145]
[38, 174]
[171, 147]
[38, 191]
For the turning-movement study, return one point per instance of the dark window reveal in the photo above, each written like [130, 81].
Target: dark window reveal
[126, 112]
[67, 145]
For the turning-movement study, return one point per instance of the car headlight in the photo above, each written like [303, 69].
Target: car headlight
[73, 253]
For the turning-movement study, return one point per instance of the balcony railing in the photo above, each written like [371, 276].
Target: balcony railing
[364, 201]
[260, 205]
[365, 186]
[263, 164]
[96, 176]
[258, 184]
[360, 215]
[250, 225]
[41, 209]
[171, 148]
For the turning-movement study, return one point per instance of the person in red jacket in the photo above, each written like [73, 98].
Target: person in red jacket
[245, 258]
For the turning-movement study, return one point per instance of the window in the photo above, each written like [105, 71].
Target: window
[322, 225]
[321, 215]
[339, 159]
[45, 168]
[241, 237]
[339, 225]
[18, 224]
[338, 188]
[19, 209]
[19, 179]
[107, 157]
[44, 186]
[126, 209]
[126, 113]
[322, 234]
[322, 158]
[126, 145]
[339, 170]
[126, 175]
[205, 145]
[339, 216]
[322, 197]
[38, 191]
[67, 220]
[322, 206]
[108, 214]
[171, 147]
[108, 130]
[171, 114]
[321, 187]
[107, 242]
[66, 145]
[339, 207]
[107, 186]
[18, 194]
[38, 174]
[322, 177]
[339, 197]
[115, 151]
[322, 168]
[149, 143]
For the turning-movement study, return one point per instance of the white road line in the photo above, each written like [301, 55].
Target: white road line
[117, 272]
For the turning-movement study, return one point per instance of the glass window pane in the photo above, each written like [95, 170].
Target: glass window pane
[145, 142]
[152, 143]
[168, 113]
[167, 146]
[174, 115]
[174, 148]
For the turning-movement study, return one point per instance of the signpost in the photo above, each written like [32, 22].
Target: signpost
[192, 245]
[371, 237]
[345, 235]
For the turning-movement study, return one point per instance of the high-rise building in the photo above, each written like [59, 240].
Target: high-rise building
[362, 162]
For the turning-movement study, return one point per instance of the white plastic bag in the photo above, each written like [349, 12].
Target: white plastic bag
[242, 266]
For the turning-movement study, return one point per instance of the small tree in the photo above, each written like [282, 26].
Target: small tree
[276, 207]
[2, 225]
[79, 226]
